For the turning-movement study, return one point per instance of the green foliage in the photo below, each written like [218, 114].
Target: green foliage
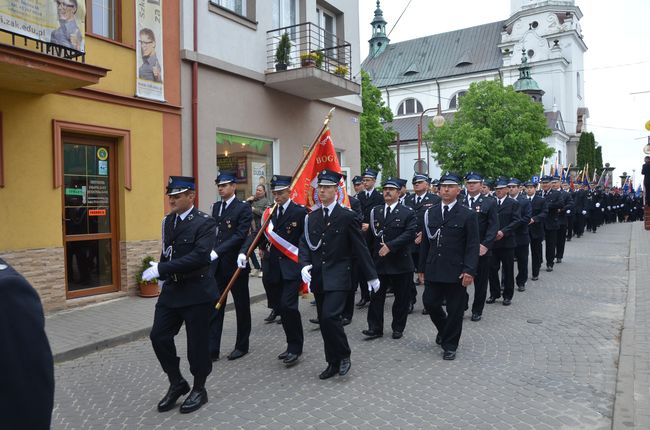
[144, 266]
[598, 158]
[589, 153]
[315, 57]
[283, 52]
[496, 131]
[375, 152]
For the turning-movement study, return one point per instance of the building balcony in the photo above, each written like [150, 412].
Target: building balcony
[315, 64]
[33, 66]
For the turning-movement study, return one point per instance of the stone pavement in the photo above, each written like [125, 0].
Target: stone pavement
[549, 361]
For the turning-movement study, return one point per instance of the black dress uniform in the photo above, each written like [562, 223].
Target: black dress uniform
[563, 221]
[580, 212]
[187, 296]
[522, 239]
[554, 204]
[449, 248]
[27, 388]
[368, 200]
[234, 220]
[280, 271]
[419, 204]
[539, 212]
[332, 237]
[394, 226]
[503, 252]
[488, 226]
[348, 312]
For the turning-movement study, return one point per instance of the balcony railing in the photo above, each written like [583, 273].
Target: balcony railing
[45, 47]
[311, 46]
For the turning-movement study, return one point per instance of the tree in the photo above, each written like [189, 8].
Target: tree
[589, 152]
[375, 152]
[496, 131]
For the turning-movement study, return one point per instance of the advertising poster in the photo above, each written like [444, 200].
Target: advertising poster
[59, 22]
[149, 64]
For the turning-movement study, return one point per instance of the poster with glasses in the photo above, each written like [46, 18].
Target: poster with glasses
[58, 22]
[149, 64]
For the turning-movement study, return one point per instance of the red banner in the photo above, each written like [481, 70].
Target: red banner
[323, 157]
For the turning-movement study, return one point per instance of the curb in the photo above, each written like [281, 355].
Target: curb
[134, 335]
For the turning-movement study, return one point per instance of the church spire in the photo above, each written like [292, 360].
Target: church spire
[526, 84]
[379, 40]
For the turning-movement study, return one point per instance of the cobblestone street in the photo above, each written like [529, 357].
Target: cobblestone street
[549, 361]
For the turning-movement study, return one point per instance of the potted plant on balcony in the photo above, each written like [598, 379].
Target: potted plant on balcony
[311, 59]
[341, 71]
[147, 288]
[283, 53]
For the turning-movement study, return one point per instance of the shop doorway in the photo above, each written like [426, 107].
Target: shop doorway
[89, 216]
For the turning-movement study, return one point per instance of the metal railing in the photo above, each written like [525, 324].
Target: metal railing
[311, 46]
[46, 47]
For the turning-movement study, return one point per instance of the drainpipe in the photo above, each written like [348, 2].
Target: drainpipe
[195, 105]
[398, 143]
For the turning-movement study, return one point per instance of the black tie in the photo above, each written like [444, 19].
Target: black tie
[445, 212]
[471, 202]
[280, 211]
[418, 200]
[499, 201]
[223, 208]
[387, 212]
[176, 220]
[326, 216]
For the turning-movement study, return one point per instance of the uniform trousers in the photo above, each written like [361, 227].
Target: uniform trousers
[273, 294]
[348, 311]
[400, 284]
[551, 244]
[329, 307]
[413, 291]
[481, 284]
[521, 253]
[450, 323]
[502, 258]
[561, 242]
[579, 224]
[288, 309]
[570, 226]
[242, 301]
[166, 324]
[535, 256]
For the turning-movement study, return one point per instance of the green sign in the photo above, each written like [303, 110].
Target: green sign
[74, 192]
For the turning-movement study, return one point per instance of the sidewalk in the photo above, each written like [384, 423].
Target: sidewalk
[80, 331]
[632, 404]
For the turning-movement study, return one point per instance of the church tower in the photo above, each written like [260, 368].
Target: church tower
[379, 40]
[526, 84]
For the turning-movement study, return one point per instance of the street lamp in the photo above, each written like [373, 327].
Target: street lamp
[438, 121]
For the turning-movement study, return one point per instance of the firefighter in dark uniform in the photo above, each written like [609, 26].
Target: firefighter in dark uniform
[393, 228]
[331, 238]
[187, 295]
[539, 212]
[234, 220]
[280, 263]
[554, 204]
[355, 205]
[27, 388]
[421, 200]
[563, 219]
[579, 211]
[488, 226]
[449, 255]
[522, 235]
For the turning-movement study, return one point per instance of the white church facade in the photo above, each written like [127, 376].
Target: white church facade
[418, 75]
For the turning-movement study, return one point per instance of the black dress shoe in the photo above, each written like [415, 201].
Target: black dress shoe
[329, 372]
[279, 321]
[521, 288]
[314, 320]
[568, 239]
[175, 391]
[214, 356]
[397, 335]
[476, 317]
[371, 334]
[425, 311]
[549, 269]
[345, 366]
[507, 302]
[438, 340]
[558, 260]
[410, 311]
[449, 355]
[491, 300]
[236, 353]
[291, 359]
[272, 316]
[534, 278]
[346, 321]
[283, 355]
[194, 401]
[361, 303]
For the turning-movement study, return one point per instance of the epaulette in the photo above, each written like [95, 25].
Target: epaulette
[203, 214]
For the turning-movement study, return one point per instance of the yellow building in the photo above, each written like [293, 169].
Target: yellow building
[83, 162]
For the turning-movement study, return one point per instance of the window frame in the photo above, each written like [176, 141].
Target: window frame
[456, 99]
[418, 107]
[118, 23]
[248, 20]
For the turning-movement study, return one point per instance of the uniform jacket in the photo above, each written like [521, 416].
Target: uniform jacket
[185, 260]
[509, 221]
[539, 212]
[450, 247]
[355, 205]
[233, 227]
[579, 201]
[522, 235]
[397, 231]
[336, 243]
[367, 203]
[488, 218]
[429, 199]
[27, 388]
[567, 206]
[555, 204]
[276, 266]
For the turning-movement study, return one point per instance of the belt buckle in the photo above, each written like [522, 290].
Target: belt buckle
[174, 277]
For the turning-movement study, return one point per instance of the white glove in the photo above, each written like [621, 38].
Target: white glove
[597, 205]
[584, 212]
[602, 210]
[306, 275]
[373, 285]
[213, 255]
[241, 261]
[609, 208]
[151, 273]
[568, 211]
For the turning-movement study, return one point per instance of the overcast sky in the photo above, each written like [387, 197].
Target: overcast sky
[617, 62]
